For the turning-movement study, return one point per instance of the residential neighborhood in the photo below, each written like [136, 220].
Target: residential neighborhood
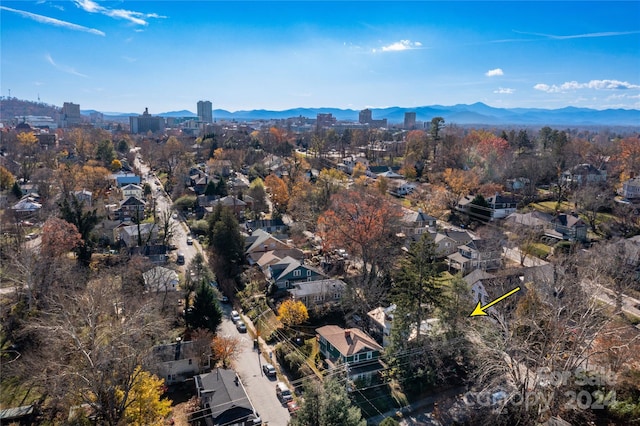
[244, 283]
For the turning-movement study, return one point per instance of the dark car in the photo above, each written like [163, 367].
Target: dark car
[242, 328]
[269, 370]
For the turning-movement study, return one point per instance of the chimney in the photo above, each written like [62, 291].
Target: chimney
[347, 334]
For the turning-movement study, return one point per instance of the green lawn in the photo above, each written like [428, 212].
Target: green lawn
[550, 206]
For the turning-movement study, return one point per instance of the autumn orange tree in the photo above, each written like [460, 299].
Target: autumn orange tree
[59, 237]
[292, 312]
[628, 157]
[279, 193]
[460, 183]
[225, 349]
[364, 224]
[486, 151]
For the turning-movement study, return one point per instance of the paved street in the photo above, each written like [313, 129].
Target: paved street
[261, 389]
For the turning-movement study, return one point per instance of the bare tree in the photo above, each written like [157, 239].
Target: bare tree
[90, 347]
[551, 330]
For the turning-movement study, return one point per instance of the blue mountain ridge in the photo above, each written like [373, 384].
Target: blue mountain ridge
[463, 114]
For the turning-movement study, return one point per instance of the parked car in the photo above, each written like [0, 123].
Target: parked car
[269, 370]
[189, 241]
[235, 316]
[293, 407]
[240, 325]
[283, 393]
[180, 259]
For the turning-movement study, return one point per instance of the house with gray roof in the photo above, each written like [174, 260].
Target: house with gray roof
[224, 400]
[631, 189]
[289, 271]
[476, 254]
[318, 292]
[179, 361]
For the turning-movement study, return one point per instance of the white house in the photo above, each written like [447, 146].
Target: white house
[631, 189]
[131, 190]
[160, 279]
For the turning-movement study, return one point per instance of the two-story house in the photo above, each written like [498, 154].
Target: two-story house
[380, 323]
[136, 235]
[85, 197]
[415, 223]
[351, 347]
[288, 271]
[476, 254]
[131, 190]
[318, 293]
[583, 174]
[132, 208]
[631, 189]
[448, 240]
[567, 227]
[260, 241]
[177, 362]
[501, 206]
[223, 400]
[350, 162]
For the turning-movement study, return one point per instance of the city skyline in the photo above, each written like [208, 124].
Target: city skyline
[125, 56]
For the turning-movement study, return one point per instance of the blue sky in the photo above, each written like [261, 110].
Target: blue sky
[166, 55]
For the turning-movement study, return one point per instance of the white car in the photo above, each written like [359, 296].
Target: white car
[235, 316]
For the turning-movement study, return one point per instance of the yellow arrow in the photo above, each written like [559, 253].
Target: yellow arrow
[479, 310]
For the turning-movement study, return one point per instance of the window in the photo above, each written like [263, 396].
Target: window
[336, 295]
[308, 272]
[369, 355]
[297, 273]
[190, 361]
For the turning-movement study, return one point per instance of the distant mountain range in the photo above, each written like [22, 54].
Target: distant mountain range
[474, 114]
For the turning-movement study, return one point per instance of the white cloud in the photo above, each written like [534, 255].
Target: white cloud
[401, 45]
[494, 73]
[52, 21]
[593, 84]
[586, 35]
[504, 91]
[63, 68]
[137, 18]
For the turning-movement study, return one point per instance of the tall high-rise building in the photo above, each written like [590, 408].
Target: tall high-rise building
[365, 116]
[325, 120]
[205, 111]
[146, 123]
[70, 115]
[409, 120]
